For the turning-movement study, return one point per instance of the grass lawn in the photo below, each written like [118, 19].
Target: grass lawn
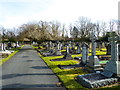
[67, 76]
[12, 54]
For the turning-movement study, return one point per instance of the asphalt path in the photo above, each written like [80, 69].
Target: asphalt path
[27, 70]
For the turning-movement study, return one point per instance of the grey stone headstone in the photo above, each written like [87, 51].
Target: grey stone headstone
[114, 64]
[78, 48]
[67, 54]
[119, 51]
[93, 64]
[84, 54]
[108, 49]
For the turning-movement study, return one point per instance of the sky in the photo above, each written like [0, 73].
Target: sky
[14, 13]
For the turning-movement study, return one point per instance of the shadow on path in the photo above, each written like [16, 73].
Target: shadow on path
[40, 67]
[8, 76]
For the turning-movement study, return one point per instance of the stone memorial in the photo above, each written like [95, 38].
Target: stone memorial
[67, 55]
[93, 64]
[57, 50]
[83, 60]
[113, 66]
[84, 54]
[73, 50]
[78, 51]
[49, 50]
[108, 49]
[111, 73]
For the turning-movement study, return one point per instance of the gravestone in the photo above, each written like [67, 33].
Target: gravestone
[108, 49]
[2, 47]
[17, 44]
[83, 61]
[119, 51]
[9, 45]
[113, 66]
[57, 50]
[93, 64]
[67, 54]
[84, 54]
[78, 48]
[73, 50]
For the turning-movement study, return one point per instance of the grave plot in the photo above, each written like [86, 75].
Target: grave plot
[95, 80]
[51, 49]
[67, 55]
[111, 73]
[82, 60]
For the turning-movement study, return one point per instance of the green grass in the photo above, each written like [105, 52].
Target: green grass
[36, 47]
[2, 61]
[65, 76]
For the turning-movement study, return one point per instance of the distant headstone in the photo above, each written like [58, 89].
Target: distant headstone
[119, 51]
[108, 49]
[67, 54]
[84, 54]
[9, 45]
[78, 48]
[57, 50]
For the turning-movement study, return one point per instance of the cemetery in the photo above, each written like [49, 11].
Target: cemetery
[78, 62]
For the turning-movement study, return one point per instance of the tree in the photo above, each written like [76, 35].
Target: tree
[84, 26]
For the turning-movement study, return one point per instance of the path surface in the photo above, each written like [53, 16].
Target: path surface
[27, 70]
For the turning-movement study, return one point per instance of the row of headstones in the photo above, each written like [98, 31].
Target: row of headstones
[8, 45]
[58, 45]
[71, 45]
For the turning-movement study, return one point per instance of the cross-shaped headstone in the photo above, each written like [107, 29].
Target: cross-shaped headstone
[114, 47]
[113, 66]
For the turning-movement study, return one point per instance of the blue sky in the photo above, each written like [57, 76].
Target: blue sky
[16, 12]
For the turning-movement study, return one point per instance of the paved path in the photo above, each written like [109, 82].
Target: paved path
[27, 70]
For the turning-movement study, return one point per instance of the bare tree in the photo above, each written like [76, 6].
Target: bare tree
[83, 25]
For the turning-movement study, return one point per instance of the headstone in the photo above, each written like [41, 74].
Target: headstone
[84, 54]
[108, 49]
[73, 50]
[57, 50]
[78, 48]
[93, 64]
[9, 45]
[67, 54]
[119, 51]
[3, 47]
[113, 65]
[0, 46]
